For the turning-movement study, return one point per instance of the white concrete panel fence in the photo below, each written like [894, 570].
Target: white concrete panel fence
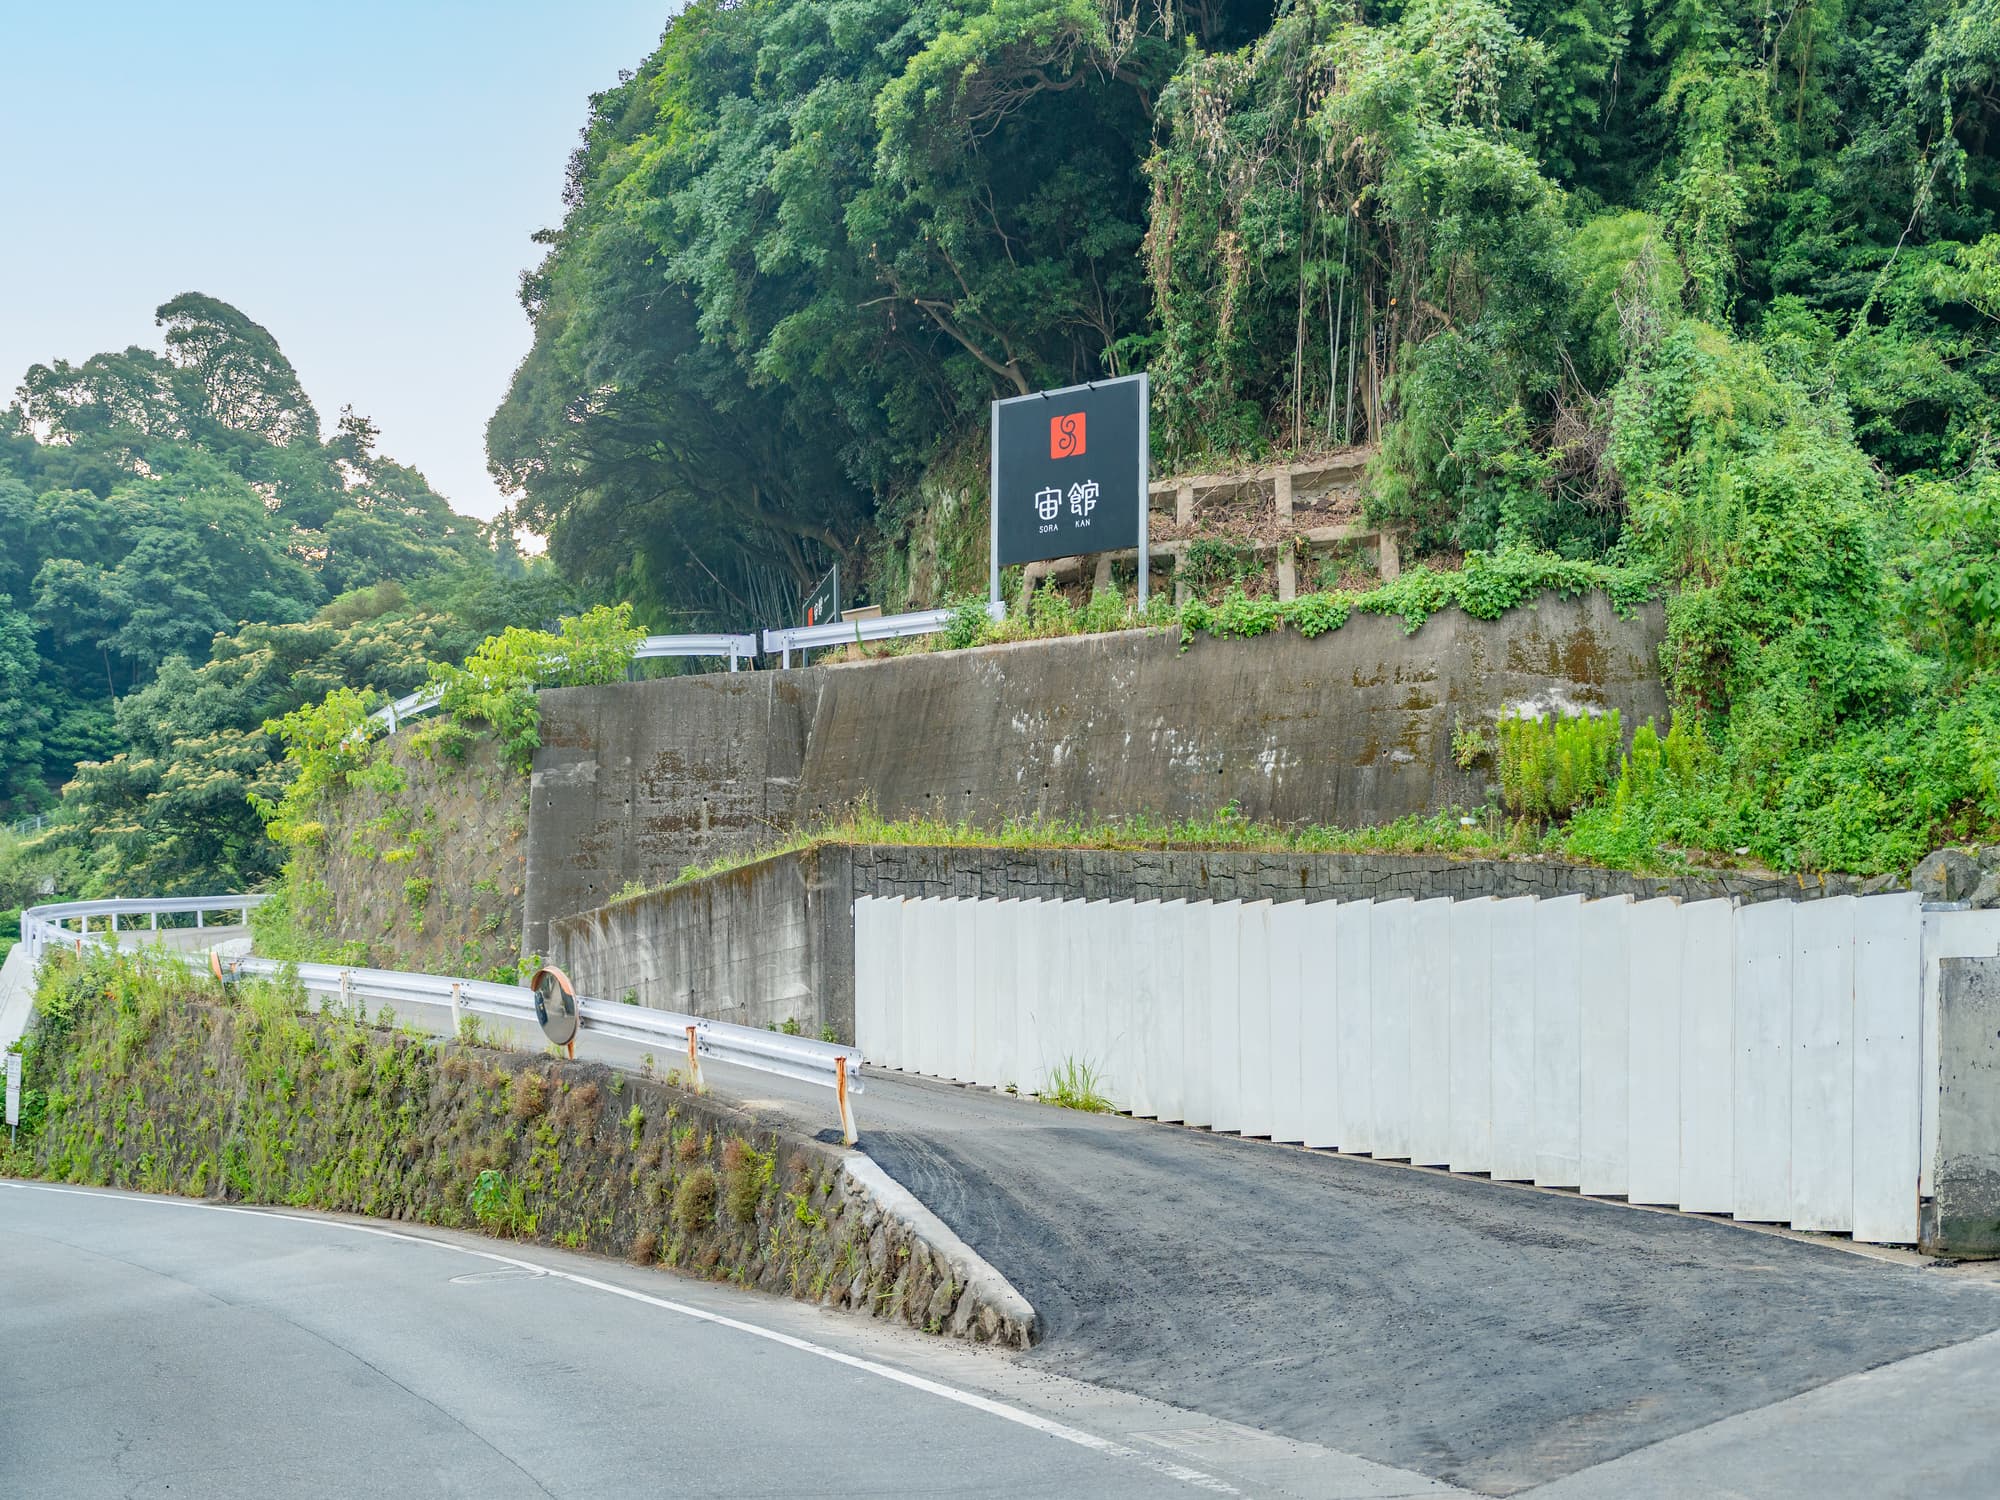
[1774, 1062]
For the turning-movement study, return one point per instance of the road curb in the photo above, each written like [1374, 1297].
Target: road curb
[991, 1310]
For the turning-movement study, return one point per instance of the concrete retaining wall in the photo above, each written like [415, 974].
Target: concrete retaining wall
[1964, 1214]
[636, 781]
[767, 944]
[774, 940]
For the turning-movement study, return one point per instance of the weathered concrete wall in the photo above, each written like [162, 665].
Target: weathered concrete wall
[775, 939]
[753, 945]
[1964, 1216]
[635, 782]
[638, 780]
[1353, 727]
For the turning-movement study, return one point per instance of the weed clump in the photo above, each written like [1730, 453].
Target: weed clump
[1550, 766]
[694, 1200]
[1076, 1084]
[746, 1172]
[500, 1206]
[530, 1095]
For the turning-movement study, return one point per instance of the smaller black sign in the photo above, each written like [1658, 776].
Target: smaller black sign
[1069, 470]
[823, 603]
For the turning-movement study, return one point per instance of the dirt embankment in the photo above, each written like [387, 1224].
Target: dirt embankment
[425, 871]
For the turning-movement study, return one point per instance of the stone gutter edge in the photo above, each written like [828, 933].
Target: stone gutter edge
[985, 1288]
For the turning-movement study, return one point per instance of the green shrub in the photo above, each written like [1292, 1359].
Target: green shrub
[1550, 766]
[497, 684]
[746, 1172]
[500, 1206]
[694, 1199]
[969, 624]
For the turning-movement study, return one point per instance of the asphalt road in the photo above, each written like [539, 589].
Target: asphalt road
[151, 1346]
[155, 1347]
[1293, 1318]
[1491, 1336]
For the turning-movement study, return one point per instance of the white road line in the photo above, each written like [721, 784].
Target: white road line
[937, 1388]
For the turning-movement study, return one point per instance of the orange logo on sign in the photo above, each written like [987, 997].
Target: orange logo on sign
[1066, 436]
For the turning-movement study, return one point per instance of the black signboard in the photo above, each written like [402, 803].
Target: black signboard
[1069, 473]
[823, 603]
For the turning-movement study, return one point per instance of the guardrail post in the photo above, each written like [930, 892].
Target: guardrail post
[694, 1063]
[346, 989]
[200, 920]
[457, 1009]
[847, 1130]
[153, 921]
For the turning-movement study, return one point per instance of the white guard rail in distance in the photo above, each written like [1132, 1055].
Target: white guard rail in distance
[672, 1034]
[853, 632]
[64, 923]
[738, 648]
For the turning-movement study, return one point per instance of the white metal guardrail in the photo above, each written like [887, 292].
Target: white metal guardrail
[853, 632]
[673, 1034]
[69, 922]
[737, 648]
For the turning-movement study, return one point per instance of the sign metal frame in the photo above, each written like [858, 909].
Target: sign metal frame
[1145, 475]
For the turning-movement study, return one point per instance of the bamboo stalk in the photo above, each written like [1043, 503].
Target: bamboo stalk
[1333, 341]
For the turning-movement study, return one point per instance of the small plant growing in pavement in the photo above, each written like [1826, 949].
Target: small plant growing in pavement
[1076, 1084]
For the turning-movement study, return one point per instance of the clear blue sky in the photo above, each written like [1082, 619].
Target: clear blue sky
[360, 178]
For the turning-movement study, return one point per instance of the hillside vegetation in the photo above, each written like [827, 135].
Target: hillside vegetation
[1675, 298]
[1702, 291]
[184, 555]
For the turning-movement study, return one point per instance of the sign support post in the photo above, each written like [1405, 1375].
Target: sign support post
[993, 510]
[1145, 483]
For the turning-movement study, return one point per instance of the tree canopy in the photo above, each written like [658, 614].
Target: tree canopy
[1707, 288]
[183, 556]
